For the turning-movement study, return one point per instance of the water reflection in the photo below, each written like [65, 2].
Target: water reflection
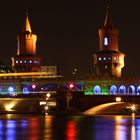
[71, 130]
[18, 127]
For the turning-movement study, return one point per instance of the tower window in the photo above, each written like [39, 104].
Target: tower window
[104, 58]
[30, 61]
[105, 41]
[99, 58]
[115, 58]
[16, 61]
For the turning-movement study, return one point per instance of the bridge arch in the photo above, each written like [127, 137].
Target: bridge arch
[113, 90]
[131, 90]
[97, 90]
[122, 89]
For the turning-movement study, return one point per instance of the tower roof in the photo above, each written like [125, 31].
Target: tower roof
[26, 27]
[108, 19]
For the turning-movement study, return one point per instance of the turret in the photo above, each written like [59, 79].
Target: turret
[26, 41]
[26, 59]
[108, 61]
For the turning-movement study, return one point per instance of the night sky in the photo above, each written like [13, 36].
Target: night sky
[68, 31]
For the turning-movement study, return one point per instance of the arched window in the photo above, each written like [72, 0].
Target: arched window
[122, 89]
[138, 90]
[97, 90]
[131, 90]
[113, 90]
[105, 41]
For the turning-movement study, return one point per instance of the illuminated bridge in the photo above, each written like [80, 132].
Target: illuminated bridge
[84, 94]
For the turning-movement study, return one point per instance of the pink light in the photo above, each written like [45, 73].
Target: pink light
[33, 86]
[71, 86]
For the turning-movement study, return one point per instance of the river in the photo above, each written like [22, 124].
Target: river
[35, 127]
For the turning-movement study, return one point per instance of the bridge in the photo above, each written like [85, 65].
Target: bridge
[81, 94]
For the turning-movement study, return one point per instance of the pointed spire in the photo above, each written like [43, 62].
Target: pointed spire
[26, 27]
[108, 19]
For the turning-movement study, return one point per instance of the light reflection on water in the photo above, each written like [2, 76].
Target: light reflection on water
[31, 127]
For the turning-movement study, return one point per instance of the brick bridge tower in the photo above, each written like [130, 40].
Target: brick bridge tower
[26, 59]
[108, 61]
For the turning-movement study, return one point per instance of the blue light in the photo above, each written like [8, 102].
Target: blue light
[122, 89]
[97, 90]
[113, 90]
[25, 90]
[10, 90]
[105, 41]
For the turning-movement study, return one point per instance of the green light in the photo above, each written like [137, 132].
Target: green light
[88, 92]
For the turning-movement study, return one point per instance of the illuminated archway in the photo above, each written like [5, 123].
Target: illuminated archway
[138, 90]
[122, 89]
[10, 90]
[131, 90]
[25, 90]
[113, 90]
[97, 90]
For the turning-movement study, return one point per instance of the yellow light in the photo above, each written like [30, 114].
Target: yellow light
[9, 107]
[51, 103]
[46, 107]
[48, 95]
[118, 99]
[42, 103]
[133, 114]
[133, 108]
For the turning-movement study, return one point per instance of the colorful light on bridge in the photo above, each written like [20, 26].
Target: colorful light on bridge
[33, 86]
[10, 90]
[71, 86]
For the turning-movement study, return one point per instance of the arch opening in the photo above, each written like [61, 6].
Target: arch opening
[97, 90]
[131, 90]
[122, 90]
[113, 90]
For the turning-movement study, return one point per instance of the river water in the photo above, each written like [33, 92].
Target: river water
[34, 127]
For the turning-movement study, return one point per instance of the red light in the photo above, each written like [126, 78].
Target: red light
[71, 86]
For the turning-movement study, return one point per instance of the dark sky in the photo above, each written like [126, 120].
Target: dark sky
[68, 31]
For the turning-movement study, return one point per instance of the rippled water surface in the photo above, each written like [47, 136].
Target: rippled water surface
[33, 127]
